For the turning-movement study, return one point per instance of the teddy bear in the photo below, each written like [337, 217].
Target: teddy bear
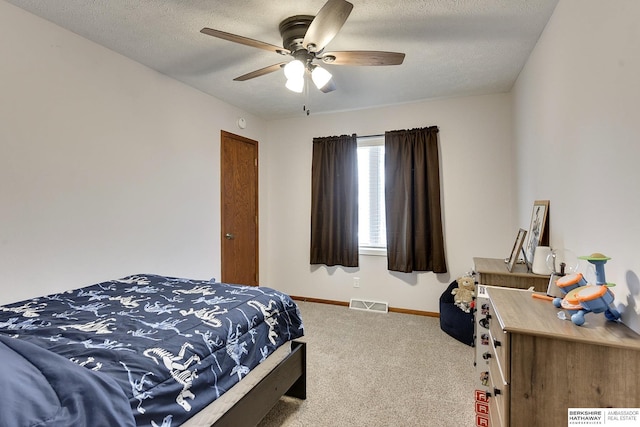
[464, 293]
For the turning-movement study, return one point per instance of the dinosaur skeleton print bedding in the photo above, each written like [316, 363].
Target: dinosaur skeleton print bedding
[155, 349]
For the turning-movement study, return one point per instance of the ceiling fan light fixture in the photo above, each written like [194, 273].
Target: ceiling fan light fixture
[294, 70]
[295, 84]
[329, 87]
[320, 77]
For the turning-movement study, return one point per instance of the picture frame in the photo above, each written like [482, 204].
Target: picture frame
[517, 247]
[537, 234]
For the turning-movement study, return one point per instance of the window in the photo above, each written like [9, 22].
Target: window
[372, 233]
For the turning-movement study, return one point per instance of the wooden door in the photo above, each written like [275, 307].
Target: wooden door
[239, 192]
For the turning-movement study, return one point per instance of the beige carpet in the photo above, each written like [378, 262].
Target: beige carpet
[374, 369]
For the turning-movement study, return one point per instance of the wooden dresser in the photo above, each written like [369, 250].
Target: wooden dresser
[494, 272]
[540, 366]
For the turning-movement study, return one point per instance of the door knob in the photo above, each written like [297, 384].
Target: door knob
[229, 236]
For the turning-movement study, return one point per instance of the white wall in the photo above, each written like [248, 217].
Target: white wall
[577, 136]
[107, 168]
[475, 138]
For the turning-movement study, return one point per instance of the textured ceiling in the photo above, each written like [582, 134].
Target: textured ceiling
[452, 47]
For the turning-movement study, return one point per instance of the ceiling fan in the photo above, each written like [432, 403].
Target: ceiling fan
[304, 37]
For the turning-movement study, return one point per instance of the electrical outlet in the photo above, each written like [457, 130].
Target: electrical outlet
[356, 282]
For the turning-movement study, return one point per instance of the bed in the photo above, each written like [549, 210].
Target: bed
[150, 350]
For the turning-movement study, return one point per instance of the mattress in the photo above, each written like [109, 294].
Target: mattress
[171, 345]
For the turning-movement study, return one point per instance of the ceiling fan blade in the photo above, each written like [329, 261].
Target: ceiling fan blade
[260, 72]
[326, 24]
[244, 40]
[363, 57]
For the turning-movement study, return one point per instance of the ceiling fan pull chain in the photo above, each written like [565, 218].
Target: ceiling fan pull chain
[306, 95]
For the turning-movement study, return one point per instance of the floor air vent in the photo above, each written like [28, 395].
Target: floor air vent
[360, 304]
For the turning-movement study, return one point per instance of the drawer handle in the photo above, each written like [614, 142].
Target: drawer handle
[484, 322]
[496, 343]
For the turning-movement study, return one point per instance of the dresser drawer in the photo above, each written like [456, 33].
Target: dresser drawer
[499, 390]
[499, 370]
[494, 414]
[499, 342]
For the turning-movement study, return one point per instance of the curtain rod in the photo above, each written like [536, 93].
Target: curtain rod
[370, 136]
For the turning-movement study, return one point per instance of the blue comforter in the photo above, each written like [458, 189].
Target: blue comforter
[164, 346]
[43, 389]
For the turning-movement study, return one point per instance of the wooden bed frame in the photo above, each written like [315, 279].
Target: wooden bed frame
[289, 378]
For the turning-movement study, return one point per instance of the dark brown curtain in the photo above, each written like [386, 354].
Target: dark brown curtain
[334, 201]
[415, 240]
